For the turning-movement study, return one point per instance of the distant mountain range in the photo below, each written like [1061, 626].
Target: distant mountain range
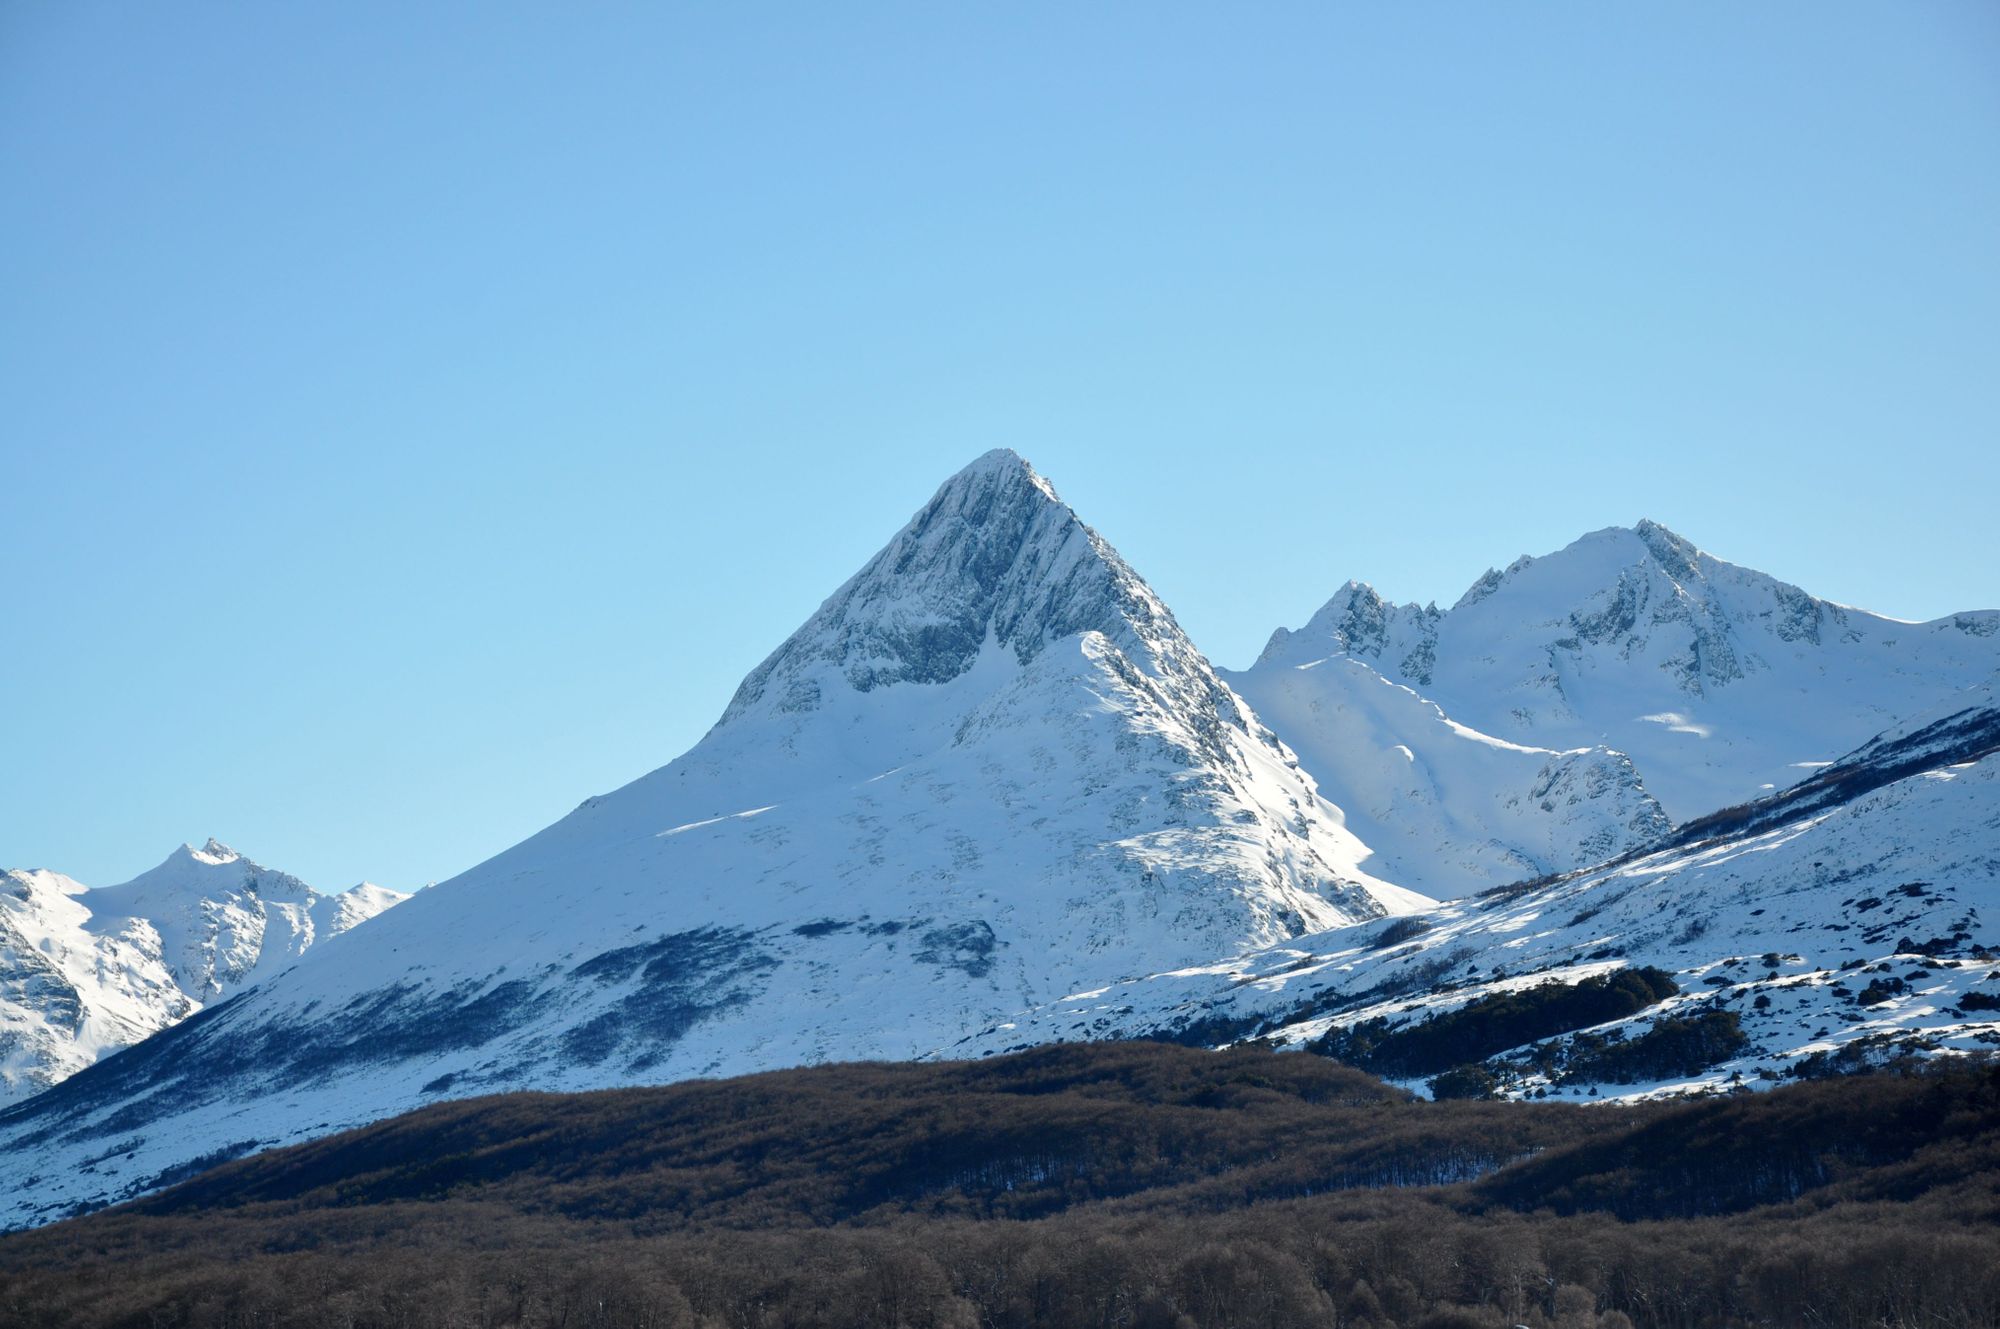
[1717, 682]
[85, 972]
[991, 795]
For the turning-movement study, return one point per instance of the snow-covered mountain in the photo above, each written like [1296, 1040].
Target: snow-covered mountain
[224, 922]
[990, 783]
[1448, 810]
[68, 995]
[1565, 708]
[85, 972]
[989, 770]
[1849, 919]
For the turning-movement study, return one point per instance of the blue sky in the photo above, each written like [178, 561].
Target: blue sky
[415, 419]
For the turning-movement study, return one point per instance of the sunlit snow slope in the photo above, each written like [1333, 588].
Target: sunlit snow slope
[1447, 809]
[990, 767]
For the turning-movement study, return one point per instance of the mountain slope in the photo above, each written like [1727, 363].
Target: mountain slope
[1720, 682]
[1448, 810]
[85, 972]
[68, 995]
[989, 766]
[1831, 925]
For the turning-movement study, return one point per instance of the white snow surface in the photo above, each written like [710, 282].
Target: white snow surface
[1717, 681]
[988, 770]
[1447, 810]
[1787, 926]
[86, 972]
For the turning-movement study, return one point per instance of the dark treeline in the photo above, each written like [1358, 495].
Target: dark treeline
[1492, 1024]
[1140, 1185]
[1675, 1045]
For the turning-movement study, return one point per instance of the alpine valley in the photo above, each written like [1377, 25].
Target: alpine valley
[1625, 821]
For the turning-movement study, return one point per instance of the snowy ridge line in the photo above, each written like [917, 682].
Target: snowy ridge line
[1969, 735]
[1718, 682]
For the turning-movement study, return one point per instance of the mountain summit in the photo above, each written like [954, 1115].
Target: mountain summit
[994, 556]
[992, 573]
[988, 771]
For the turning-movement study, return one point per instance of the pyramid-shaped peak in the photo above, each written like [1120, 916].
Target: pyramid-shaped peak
[995, 488]
[1354, 602]
[1360, 621]
[187, 860]
[1001, 470]
[997, 460]
[213, 867]
[187, 873]
[994, 557]
[370, 889]
[1648, 529]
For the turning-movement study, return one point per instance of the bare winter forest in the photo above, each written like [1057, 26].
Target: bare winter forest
[1111, 1185]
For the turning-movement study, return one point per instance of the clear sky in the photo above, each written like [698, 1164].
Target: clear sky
[416, 418]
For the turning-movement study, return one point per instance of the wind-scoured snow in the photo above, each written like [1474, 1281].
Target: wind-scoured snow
[990, 769]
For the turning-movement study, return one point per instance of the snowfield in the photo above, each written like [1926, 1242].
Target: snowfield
[1446, 809]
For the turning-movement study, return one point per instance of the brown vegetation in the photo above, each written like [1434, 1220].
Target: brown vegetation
[1112, 1185]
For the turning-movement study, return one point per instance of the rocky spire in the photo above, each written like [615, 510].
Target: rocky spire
[995, 555]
